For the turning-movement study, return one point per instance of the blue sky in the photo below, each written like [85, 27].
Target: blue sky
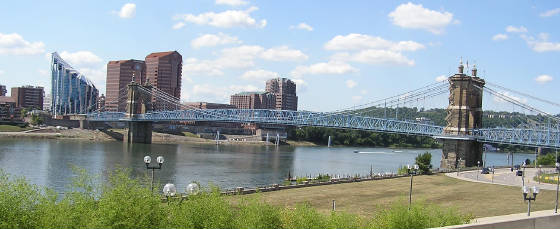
[340, 53]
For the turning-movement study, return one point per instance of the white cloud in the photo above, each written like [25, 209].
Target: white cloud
[363, 92]
[329, 68]
[351, 83]
[543, 79]
[231, 2]
[178, 25]
[374, 56]
[500, 37]
[239, 57]
[283, 53]
[226, 19]
[81, 58]
[513, 29]
[302, 26]
[414, 16]
[193, 66]
[512, 97]
[356, 98]
[128, 10]
[441, 78]
[542, 44]
[14, 44]
[2, 72]
[550, 13]
[355, 41]
[259, 74]
[213, 93]
[210, 40]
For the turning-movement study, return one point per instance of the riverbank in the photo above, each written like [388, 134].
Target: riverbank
[368, 197]
[118, 134]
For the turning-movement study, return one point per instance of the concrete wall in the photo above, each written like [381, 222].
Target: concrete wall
[541, 219]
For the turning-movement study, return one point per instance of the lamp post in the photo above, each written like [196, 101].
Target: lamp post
[411, 171]
[557, 185]
[526, 193]
[148, 160]
[169, 190]
[523, 175]
[477, 168]
[458, 166]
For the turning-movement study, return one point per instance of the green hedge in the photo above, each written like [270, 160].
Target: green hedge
[123, 202]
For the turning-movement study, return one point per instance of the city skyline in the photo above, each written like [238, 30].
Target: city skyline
[357, 50]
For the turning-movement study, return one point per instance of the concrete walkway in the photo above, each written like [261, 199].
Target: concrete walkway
[505, 177]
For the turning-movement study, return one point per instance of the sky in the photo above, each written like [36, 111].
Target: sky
[339, 53]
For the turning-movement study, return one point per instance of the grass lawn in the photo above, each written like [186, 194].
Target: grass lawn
[10, 128]
[365, 198]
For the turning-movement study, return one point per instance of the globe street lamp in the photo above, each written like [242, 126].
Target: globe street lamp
[526, 193]
[148, 160]
[523, 174]
[193, 189]
[477, 168]
[557, 185]
[411, 171]
[169, 190]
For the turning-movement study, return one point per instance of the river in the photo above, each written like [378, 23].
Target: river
[48, 162]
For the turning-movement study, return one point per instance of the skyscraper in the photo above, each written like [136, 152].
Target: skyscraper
[119, 75]
[284, 91]
[163, 71]
[3, 90]
[72, 92]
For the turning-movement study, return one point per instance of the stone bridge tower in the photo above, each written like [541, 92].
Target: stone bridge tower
[138, 102]
[464, 114]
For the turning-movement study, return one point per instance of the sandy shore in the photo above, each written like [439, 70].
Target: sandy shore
[117, 135]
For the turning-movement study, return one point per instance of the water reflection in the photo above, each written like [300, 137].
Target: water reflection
[49, 162]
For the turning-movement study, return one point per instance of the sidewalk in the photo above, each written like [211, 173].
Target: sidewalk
[504, 177]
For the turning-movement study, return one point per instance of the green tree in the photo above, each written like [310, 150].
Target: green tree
[424, 162]
[547, 159]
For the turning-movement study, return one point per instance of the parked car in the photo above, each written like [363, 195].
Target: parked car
[486, 170]
[519, 173]
[517, 167]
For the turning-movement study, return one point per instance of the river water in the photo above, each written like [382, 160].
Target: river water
[48, 162]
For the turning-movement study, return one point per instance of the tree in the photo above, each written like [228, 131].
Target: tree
[36, 120]
[424, 162]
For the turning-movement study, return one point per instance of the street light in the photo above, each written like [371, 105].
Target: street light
[477, 168]
[169, 190]
[557, 184]
[148, 160]
[411, 171]
[523, 174]
[526, 193]
[193, 189]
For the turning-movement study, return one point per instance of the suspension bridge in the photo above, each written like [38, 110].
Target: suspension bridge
[462, 136]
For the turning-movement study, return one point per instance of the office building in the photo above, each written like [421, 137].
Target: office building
[253, 100]
[119, 74]
[205, 105]
[8, 109]
[72, 92]
[28, 97]
[284, 91]
[101, 103]
[163, 71]
[3, 90]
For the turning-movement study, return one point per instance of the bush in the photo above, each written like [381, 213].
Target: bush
[547, 159]
[420, 215]
[424, 162]
[123, 202]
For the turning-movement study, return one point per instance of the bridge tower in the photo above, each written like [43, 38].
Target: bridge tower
[464, 114]
[138, 103]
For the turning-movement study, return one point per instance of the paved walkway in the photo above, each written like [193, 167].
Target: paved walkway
[505, 177]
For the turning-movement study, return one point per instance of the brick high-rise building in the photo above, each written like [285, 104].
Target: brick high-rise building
[253, 100]
[284, 91]
[3, 90]
[119, 75]
[163, 71]
[28, 97]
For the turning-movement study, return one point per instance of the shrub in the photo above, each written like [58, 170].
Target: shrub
[19, 201]
[420, 215]
[303, 216]
[424, 162]
[547, 159]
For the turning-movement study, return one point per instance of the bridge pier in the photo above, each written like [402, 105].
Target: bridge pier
[139, 132]
[464, 114]
[138, 103]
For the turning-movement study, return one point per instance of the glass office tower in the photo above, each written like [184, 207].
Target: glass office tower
[72, 92]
